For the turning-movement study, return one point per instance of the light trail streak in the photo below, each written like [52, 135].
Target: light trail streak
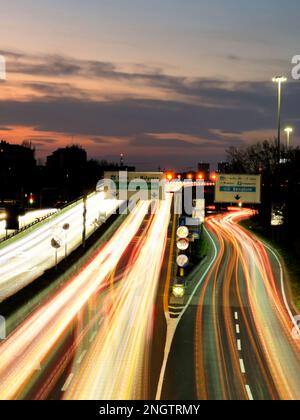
[33, 341]
[244, 271]
[117, 362]
[27, 258]
[25, 220]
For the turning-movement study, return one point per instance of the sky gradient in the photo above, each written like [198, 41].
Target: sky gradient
[167, 83]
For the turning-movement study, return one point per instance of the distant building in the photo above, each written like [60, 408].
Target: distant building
[66, 173]
[223, 167]
[17, 169]
[68, 158]
[204, 168]
[15, 157]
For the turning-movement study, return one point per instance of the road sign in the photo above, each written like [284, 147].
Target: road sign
[238, 189]
[56, 243]
[183, 244]
[182, 261]
[182, 232]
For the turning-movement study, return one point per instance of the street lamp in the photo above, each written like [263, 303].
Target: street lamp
[279, 80]
[288, 131]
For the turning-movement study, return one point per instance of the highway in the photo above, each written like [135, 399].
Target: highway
[236, 325]
[116, 366]
[27, 256]
[33, 342]
[103, 335]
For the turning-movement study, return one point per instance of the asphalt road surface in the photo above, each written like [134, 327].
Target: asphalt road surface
[235, 338]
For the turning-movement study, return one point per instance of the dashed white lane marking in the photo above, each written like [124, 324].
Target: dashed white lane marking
[80, 358]
[249, 393]
[237, 328]
[236, 316]
[243, 370]
[239, 345]
[68, 382]
[93, 337]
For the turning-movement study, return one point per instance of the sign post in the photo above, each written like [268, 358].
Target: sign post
[244, 189]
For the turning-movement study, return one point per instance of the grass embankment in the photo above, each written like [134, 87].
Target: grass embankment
[290, 258]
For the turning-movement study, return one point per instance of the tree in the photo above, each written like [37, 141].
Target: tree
[280, 183]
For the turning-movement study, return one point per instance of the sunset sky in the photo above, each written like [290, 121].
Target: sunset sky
[167, 82]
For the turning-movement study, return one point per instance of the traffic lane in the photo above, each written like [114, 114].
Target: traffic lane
[273, 321]
[219, 376]
[117, 365]
[233, 321]
[260, 383]
[272, 328]
[18, 307]
[179, 381]
[54, 377]
[29, 257]
[161, 305]
[35, 338]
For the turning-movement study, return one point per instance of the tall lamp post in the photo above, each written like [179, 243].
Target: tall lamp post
[288, 131]
[279, 80]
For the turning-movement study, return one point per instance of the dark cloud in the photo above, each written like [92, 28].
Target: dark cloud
[54, 90]
[208, 109]
[252, 107]
[148, 141]
[43, 140]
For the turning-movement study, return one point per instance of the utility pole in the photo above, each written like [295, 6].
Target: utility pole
[279, 80]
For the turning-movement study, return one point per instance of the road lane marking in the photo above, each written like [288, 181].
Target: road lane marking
[243, 370]
[177, 307]
[236, 316]
[249, 393]
[237, 328]
[239, 345]
[80, 358]
[68, 382]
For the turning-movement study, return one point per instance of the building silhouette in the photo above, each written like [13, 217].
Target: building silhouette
[17, 170]
[204, 168]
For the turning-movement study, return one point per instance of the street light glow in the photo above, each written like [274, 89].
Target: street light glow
[288, 131]
[279, 79]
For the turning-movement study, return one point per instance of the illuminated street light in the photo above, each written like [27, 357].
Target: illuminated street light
[213, 177]
[288, 131]
[279, 80]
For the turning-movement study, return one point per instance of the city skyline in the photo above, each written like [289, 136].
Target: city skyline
[184, 92]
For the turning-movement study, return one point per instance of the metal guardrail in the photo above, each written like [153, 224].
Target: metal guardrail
[42, 219]
[17, 232]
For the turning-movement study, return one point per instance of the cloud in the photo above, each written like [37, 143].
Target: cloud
[202, 116]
